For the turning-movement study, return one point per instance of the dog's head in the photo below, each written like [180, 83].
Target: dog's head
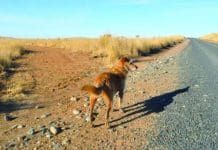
[128, 63]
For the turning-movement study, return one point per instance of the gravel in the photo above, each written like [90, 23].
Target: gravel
[191, 120]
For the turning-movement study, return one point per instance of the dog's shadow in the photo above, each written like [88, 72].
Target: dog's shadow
[154, 105]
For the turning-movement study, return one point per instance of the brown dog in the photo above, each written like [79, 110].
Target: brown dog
[108, 84]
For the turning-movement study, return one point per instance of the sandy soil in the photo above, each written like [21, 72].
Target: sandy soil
[57, 75]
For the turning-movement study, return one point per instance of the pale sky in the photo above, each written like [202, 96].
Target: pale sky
[91, 18]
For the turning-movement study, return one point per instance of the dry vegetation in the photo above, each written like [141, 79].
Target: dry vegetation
[9, 50]
[110, 46]
[213, 37]
[106, 46]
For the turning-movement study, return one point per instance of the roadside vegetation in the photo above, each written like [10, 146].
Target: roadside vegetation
[213, 37]
[110, 46]
[10, 49]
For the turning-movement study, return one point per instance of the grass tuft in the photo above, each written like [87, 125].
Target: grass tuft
[213, 37]
[9, 50]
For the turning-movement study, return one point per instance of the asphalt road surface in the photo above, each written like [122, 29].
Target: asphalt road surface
[191, 120]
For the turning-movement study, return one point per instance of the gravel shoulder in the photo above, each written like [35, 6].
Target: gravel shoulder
[191, 121]
[55, 117]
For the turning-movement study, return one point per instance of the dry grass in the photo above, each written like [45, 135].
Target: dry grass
[213, 37]
[110, 46]
[9, 50]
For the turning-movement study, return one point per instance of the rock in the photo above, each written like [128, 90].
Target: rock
[86, 105]
[38, 107]
[48, 135]
[20, 126]
[65, 141]
[21, 138]
[87, 119]
[76, 112]
[74, 98]
[196, 86]
[14, 126]
[78, 117]
[9, 117]
[54, 130]
[31, 131]
[45, 115]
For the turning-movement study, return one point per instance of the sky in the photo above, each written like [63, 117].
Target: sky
[92, 18]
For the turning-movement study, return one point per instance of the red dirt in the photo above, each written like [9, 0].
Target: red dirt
[59, 74]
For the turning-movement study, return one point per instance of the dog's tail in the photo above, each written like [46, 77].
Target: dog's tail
[92, 90]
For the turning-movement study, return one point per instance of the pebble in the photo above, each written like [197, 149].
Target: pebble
[74, 98]
[31, 131]
[38, 107]
[14, 126]
[45, 115]
[21, 138]
[20, 126]
[54, 130]
[48, 135]
[86, 105]
[9, 117]
[76, 112]
[196, 85]
[87, 119]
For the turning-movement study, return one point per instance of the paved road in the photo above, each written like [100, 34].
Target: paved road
[191, 120]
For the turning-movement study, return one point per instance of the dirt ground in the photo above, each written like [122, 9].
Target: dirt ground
[57, 76]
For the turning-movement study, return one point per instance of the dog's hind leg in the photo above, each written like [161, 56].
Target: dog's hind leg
[108, 101]
[93, 100]
[120, 100]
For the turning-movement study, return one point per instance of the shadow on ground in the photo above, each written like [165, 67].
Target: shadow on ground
[154, 105]
[10, 106]
[14, 68]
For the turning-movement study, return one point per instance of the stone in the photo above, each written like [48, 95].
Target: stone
[31, 131]
[21, 138]
[38, 107]
[86, 105]
[54, 130]
[20, 126]
[45, 115]
[74, 98]
[14, 126]
[87, 119]
[48, 135]
[9, 117]
[76, 112]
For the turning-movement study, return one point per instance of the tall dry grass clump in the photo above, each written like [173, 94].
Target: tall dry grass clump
[9, 50]
[213, 37]
[115, 47]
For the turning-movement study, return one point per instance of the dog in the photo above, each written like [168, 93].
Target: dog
[109, 83]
